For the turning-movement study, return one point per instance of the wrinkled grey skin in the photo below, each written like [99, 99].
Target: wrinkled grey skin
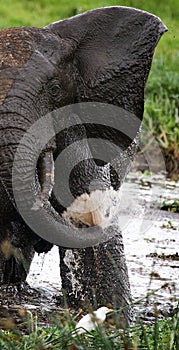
[104, 56]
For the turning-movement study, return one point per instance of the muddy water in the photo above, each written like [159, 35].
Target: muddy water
[151, 239]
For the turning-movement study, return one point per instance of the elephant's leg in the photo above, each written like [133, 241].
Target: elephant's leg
[96, 274]
[15, 267]
[16, 254]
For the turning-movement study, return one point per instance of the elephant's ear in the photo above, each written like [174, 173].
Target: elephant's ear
[113, 50]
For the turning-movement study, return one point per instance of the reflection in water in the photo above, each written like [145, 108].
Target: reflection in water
[146, 230]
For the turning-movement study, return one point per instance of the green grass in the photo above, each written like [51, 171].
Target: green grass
[41, 12]
[161, 115]
[162, 335]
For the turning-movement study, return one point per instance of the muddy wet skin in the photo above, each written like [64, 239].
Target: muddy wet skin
[151, 240]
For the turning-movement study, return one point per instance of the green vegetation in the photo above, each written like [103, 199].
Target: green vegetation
[23, 330]
[161, 115]
[162, 335]
[162, 119]
[171, 205]
[162, 93]
[41, 12]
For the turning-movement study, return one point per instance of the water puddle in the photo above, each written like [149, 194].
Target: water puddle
[151, 240]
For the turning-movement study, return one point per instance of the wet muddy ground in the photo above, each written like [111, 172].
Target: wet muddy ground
[151, 240]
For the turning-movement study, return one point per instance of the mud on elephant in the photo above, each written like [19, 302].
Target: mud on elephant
[100, 59]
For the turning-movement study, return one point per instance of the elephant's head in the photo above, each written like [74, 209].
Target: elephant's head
[97, 65]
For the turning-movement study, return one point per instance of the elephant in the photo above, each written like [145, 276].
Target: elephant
[92, 64]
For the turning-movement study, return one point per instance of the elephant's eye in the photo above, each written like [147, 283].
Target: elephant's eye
[54, 88]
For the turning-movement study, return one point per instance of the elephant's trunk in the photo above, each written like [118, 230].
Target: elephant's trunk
[82, 186]
[32, 197]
